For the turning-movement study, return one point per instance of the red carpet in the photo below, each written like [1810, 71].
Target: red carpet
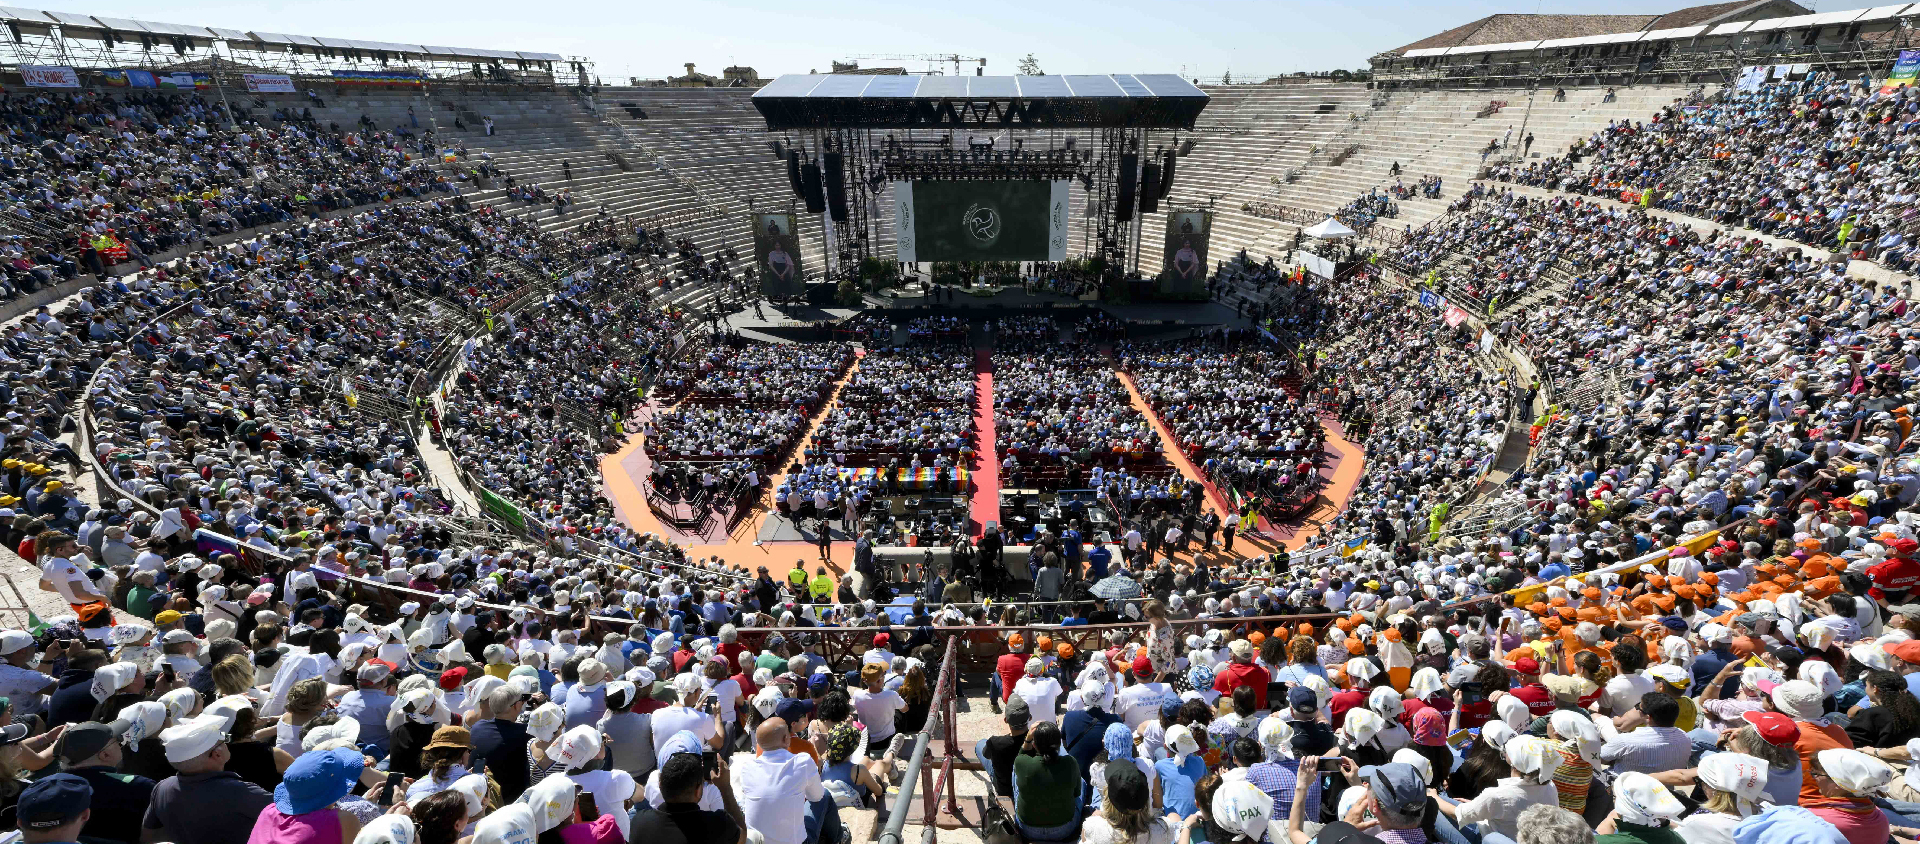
[986, 471]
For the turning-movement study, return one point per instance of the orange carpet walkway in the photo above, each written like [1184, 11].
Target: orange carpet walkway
[622, 472]
[1349, 460]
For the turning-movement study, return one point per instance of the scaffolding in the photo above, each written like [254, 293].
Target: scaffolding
[96, 46]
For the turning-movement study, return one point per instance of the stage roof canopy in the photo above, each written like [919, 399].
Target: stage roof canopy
[841, 100]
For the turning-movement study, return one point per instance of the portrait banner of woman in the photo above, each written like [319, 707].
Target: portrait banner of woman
[1183, 267]
[776, 255]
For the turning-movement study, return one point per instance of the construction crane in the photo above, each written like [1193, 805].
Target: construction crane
[950, 58]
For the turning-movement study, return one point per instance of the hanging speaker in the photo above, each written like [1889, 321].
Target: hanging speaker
[836, 176]
[1166, 176]
[810, 187]
[793, 175]
[1150, 188]
[1129, 179]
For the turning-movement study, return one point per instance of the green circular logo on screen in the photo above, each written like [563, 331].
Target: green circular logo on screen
[982, 223]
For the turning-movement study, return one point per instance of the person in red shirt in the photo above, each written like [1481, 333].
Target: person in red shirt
[1529, 689]
[1360, 673]
[1243, 672]
[1008, 670]
[1897, 576]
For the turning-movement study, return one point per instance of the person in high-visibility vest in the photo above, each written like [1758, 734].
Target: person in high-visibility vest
[797, 578]
[822, 587]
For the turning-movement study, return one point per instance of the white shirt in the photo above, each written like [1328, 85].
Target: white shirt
[1040, 694]
[1624, 692]
[673, 719]
[774, 789]
[1140, 703]
[728, 692]
[710, 798]
[611, 790]
[1497, 809]
[876, 711]
[62, 573]
[1708, 828]
[1096, 830]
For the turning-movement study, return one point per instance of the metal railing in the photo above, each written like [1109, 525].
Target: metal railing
[942, 714]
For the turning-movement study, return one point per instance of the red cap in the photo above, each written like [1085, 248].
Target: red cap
[880, 640]
[1527, 665]
[1908, 650]
[1142, 667]
[1903, 545]
[1777, 729]
[452, 678]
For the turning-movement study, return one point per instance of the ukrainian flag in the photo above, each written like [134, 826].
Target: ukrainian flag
[1355, 545]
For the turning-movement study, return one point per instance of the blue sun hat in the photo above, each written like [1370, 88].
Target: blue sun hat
[317, 780]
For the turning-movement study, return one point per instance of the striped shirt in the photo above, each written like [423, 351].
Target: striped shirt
[1572, 779]
[1278, 780]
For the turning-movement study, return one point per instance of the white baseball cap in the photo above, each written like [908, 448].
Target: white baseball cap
[11, 641]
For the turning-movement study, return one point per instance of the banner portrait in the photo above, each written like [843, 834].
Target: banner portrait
[776, 255]
[49, 76]
[1183, 258]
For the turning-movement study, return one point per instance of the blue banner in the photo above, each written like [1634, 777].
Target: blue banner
[1430, 299]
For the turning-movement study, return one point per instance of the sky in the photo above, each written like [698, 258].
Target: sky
[1201, 38]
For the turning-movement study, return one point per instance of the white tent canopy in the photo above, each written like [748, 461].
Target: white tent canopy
[1330, 229]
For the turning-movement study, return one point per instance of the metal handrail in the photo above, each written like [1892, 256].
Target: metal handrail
[941, 714]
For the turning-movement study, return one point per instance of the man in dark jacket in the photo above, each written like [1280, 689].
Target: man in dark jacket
[502, 742]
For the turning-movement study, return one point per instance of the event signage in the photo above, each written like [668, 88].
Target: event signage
[49, 76]
[1183, 257]
[268, 83]
[981, 221]
[1430, 299]
[1453, 316]
[1904, 70]
[776, 255]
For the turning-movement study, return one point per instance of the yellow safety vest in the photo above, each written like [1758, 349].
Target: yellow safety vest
[822, 585]
[797, 577]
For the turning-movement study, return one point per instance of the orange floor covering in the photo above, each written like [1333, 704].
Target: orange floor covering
[622, 471]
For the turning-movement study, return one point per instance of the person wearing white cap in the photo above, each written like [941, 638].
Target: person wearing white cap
[580, 749]
[21, 680]
[1734, 784]
[370, 703]
[689, 712]
[1531, 763]
[203, 803]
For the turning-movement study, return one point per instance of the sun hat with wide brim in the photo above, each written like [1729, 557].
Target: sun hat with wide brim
[317, 780]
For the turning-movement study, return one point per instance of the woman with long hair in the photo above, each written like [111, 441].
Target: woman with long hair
[446, 758]
[1894, 717]
[1733, 784]
[1160, 637]
[1303, 658]
[915, 691]
[1125, 816]
[440, 818]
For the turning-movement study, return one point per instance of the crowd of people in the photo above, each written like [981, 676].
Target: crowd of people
[1699, 625]
[904, 408]
[1060, 410]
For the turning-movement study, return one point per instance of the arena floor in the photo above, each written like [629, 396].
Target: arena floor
[623, 471]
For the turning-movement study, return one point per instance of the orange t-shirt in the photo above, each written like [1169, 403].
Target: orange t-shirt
[1813, 739]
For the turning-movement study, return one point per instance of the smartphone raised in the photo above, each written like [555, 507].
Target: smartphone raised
[588, 810]
[710, 760]
[392, 787]
[1328, 764]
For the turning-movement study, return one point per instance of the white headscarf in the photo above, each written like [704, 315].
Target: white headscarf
[1577, 733]
[1641, 799]
[1743, 776]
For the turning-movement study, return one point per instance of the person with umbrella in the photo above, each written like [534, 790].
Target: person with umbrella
[1116, 586]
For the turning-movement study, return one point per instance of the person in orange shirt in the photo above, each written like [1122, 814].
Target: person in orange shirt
[1800, 700]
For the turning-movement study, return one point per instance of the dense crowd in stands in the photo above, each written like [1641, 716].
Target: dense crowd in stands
[1652, 681]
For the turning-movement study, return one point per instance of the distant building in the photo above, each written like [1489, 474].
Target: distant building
[1505, 29]
[854, 68]
[695, 79]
